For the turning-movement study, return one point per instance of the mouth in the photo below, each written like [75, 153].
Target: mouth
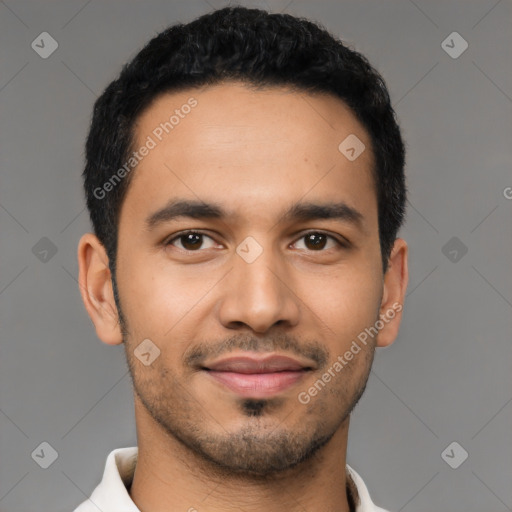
[256, 376]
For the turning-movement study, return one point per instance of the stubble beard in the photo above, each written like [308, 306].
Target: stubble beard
[263, 446]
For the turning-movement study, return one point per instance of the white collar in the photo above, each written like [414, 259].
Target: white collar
[111, 494]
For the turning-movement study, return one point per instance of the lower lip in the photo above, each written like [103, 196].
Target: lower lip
[257, 385]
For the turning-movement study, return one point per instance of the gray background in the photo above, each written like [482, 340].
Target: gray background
[446, 378]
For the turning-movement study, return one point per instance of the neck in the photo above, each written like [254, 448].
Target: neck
[169, 476]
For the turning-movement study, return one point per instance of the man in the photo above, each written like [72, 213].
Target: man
[245, 182]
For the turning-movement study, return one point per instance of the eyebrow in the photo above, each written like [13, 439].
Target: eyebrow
[302, 211]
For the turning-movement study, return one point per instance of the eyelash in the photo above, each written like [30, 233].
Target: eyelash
[341, 245]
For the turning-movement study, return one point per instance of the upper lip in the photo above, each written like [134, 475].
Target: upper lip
[252, 364]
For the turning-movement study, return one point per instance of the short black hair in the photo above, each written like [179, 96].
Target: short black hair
[260, 49]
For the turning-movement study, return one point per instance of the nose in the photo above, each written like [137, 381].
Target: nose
[259, 295]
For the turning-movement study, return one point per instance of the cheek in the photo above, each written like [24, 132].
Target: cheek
[344, 303]
[156, 296]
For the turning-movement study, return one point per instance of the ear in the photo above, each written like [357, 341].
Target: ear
[95, 284]
[395, 285]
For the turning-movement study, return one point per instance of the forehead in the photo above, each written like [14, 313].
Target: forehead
[255, 149]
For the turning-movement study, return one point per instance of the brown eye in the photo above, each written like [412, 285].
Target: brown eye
[318, 241]
[190, 241]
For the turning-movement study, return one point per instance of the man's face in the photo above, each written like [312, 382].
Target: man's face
[252, 282]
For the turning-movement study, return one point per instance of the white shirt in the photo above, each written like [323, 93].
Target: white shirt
[111, 494]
